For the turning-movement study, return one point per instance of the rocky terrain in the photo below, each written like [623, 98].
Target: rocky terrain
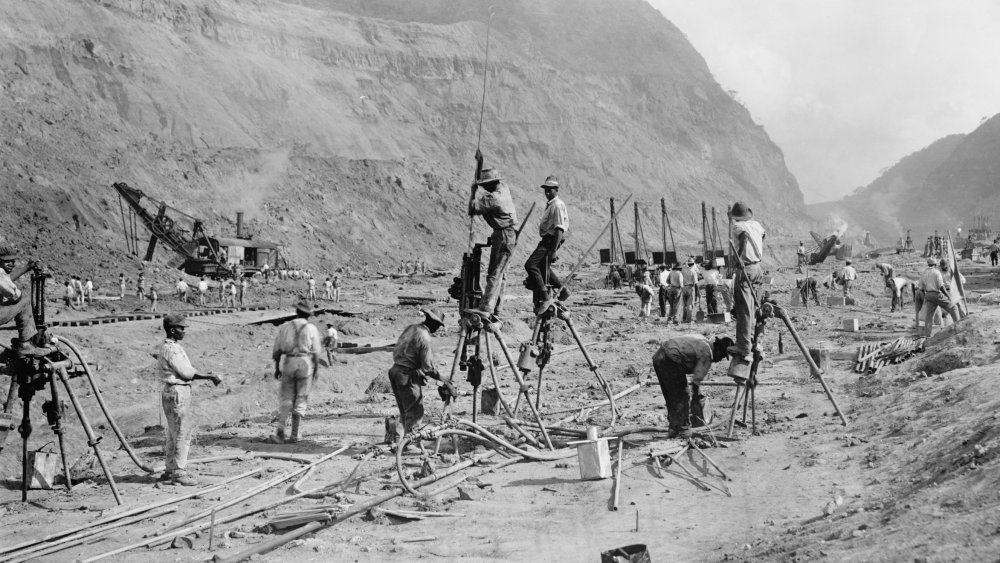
[939, 187]
[346, 130]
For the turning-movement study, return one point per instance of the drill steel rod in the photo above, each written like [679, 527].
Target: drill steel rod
[733, 412]
[618, 475]
[91, 439]
[496, 381]
[354, 511]
[138, 510]
[818, 373]
[522, 388]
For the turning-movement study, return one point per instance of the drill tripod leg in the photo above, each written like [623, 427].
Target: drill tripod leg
[816, 372]
[593, 367]
[538, 391]
[57, 429]
[496, 382]
[462, 335]
[25, 430]
[523, 389]
[91, 440]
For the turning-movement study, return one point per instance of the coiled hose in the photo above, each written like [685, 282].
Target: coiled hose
[480, 434]
[100, 401]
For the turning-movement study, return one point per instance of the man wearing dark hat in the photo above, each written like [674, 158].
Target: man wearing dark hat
[176, 373]
[296, 352]
[689, 292]
[497, 208]
[750, 250]
[412, 364]
[552, 229]
[16, 306]
[676, 359]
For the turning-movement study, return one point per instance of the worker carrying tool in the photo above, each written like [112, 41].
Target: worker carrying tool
[16, 306]
[496, 206]
[552, 230]
[176, 372]
[412, 363]
[673, 362]
[296, 353]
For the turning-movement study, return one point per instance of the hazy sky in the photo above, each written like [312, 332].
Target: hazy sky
[848, 87]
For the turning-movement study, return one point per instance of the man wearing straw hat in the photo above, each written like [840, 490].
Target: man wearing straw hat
[296, 352]
[497, 208]
[749, 245]
[552, 230]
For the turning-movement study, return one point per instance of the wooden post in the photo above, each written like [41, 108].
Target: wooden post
[613, 253]
[670, 230]
[635, 207]
[704, 231]
[663, 226]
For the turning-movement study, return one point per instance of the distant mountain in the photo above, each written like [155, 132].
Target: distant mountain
[346, 128]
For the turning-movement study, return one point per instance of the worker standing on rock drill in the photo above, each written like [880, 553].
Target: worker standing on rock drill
[750, 250]
[552, 229]
[676, 359]
[176, 373]
[296, 353]
[496, 206]
[412, 364]
[15, 306]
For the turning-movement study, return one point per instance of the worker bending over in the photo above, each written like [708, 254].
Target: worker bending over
[673, 362]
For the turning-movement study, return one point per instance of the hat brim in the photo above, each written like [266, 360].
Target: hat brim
[748, 216]
[543, 186]
[488, 181]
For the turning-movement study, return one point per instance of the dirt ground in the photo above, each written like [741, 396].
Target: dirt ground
[912, 478]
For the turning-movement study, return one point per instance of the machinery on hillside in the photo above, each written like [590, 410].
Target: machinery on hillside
[824, 247]
[198, 254]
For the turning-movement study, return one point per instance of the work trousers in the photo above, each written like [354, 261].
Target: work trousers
[687, 294]
[645, 305]
[847, 287]
[897, 296]
[806, 289]
[918, 304]
[994, 256]
[710, 304]
[936, 299]
[663, 300]
[673, 298]
[296, 380]
[176, 401]
[538, 265]
[502, 246]
[20, 313]
[744, 307]
[407, 388]
[684, 407]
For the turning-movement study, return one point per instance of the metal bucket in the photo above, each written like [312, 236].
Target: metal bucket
[635, 553]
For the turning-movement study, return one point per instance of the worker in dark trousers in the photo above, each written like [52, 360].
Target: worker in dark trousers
[552, 229]
[807, 286]
[673, 362]
[497, 209]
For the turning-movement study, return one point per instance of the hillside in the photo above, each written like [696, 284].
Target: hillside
[346, 129]
[941, 186]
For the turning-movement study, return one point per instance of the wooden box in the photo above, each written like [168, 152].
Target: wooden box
[836, 301]
[852, 325]
[720, 318]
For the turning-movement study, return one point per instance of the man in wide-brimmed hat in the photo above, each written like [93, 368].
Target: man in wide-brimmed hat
[749, 235]
[296, 352]
[676, 359]
[412, 363]
[497, 208]
[552, 229]
[15, 305]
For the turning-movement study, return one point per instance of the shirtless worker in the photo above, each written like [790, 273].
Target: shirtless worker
[16, 306]
[497, 208]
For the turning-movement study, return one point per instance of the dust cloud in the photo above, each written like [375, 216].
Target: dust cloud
[247, 191]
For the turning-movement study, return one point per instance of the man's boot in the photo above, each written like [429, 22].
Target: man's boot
[296, 434]
[25, 348]
[278, 437]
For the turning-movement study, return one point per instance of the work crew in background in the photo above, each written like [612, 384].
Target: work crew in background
[934, 283]
[88, 290]
[296, 353]
[675, 281]
[140, 287]
[898, 284]
[689, 276]
[994, 252]
[154, 296]
[645, 294]
[232, 293]
[330, 343]
[711, 279]
[496, 206]
[807, 286]
[412, 363]
[336, 288]
[800, 255]
[676, 359]
[311, 286]
[552, 230]
[750, 249]
[176, 373]
[121, 286]
[889, 279]
[328, 289]
[661, 281]
[847, 277]
[182, 290]
[78, 286]
[16, 306]
[243, 289]
[918, 295]
[69, 298]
